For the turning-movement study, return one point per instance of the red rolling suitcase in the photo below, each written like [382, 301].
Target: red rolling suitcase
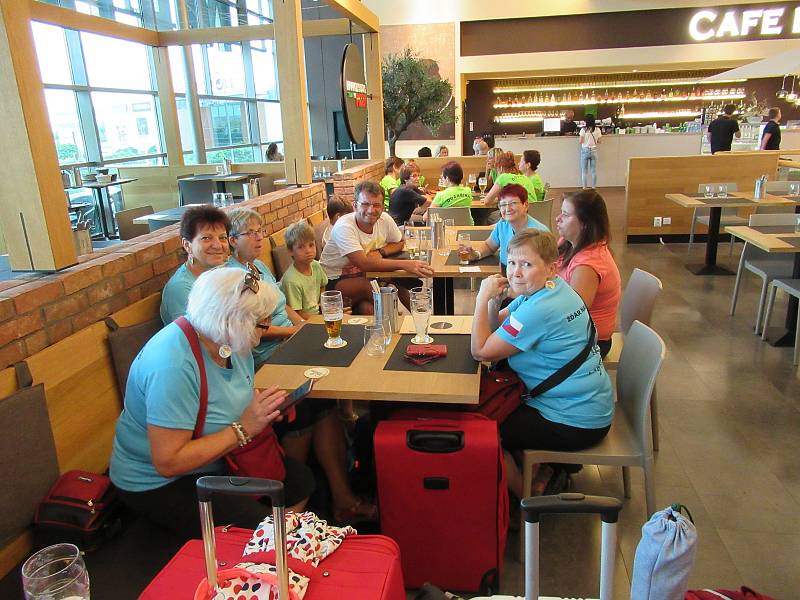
[443, 497]
[364, 567]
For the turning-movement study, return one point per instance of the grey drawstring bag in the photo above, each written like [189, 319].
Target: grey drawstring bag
[664, 556]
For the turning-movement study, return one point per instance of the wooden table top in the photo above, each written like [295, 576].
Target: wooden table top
[440, 269]
[768, 242]
[365, 378]
[733, 200]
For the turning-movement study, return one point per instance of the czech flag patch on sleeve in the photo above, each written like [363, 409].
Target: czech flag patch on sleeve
[512, 326]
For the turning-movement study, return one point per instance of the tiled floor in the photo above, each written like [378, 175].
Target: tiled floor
[730, 440]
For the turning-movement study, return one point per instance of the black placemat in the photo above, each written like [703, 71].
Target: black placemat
[487, 261]
[794, 242]
[306, 347]
[773, 229]
[458, 359]
[477, 235]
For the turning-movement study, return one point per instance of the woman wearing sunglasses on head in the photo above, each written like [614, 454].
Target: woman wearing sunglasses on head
[156, 457]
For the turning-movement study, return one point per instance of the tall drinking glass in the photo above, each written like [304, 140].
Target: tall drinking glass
[218, 199]
[56, 573]
[421, 309]
[482, 185]
[472, 180]
[463, 248]
[450, 232]
[412, 241]
[332, 308]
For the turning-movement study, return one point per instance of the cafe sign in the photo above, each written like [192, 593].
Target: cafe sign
[735, 23]
[354, 94]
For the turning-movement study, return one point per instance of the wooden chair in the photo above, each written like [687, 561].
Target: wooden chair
[127, 228]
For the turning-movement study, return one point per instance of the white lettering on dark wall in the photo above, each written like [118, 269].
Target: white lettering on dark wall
[708, 24]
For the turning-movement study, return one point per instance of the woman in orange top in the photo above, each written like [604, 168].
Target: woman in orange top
[585, 261]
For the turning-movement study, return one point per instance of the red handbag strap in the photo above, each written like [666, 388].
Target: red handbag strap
[194, 344]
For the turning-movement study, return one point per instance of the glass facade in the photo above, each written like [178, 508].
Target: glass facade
[102, 95]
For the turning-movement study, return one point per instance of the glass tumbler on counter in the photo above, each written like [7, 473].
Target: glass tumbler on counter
[56, 573]
[332, 308]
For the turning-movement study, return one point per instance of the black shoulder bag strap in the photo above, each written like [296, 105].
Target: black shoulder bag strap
[569, 368]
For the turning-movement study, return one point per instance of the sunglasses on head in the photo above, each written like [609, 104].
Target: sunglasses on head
[250, 282]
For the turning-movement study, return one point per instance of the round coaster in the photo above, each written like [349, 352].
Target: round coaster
[317, 372]
[357, 321]
[440, 325]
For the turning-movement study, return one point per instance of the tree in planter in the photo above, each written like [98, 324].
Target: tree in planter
[413, 92]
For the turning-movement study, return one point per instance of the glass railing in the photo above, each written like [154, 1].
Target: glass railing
[161, 15]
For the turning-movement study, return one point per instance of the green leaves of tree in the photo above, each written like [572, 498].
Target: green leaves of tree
[413, 92]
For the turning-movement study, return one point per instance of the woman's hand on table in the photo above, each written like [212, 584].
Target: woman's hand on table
[263, 410]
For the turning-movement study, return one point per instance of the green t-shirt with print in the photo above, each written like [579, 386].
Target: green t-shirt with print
[302, 291]
[538, 186]
[389, 184]
[506, 178]
[454, 197]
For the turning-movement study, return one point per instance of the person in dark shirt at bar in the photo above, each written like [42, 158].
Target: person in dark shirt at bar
[722, 130]
[771, 138]
[568, 126]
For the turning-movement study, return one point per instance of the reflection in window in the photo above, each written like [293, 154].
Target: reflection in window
[114, 63]
[265, 77]
[224, 122]
[127, 123]
[51, 50]
[269, 121]
[226, 69]
[66, 126]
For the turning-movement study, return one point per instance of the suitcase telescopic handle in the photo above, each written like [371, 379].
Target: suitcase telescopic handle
[607, 508]
[209, 485]
[435, 442]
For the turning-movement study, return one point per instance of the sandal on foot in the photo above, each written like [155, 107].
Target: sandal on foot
[362, 510]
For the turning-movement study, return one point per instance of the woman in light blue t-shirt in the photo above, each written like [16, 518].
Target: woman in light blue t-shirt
[544, 328]
[156, 459]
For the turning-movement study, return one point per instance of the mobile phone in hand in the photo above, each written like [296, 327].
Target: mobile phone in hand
[296, 396]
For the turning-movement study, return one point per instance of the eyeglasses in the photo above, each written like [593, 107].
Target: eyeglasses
[263, 326]
[502, 205]
[250, 282]
[252, 233]
[376, 206]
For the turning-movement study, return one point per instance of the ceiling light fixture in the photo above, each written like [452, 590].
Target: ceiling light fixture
[791, 96]
[782, 93]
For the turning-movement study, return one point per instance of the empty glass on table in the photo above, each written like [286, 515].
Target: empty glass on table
[794, 188]
[56, 573]
[375, 340]
[708, 191]
[421, 309]
[332, 308]
[412, 240]
[723, 190]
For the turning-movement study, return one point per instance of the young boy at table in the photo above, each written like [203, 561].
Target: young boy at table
[304, 280]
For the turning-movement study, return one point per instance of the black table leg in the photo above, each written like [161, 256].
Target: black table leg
[101, 211]
[710, 267]
[443, 296]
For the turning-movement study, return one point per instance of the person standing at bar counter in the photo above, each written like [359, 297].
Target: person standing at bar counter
[361, 242]
[590, 137]
[204, 236]
[568, 125]
[722, 130]
[771, 137]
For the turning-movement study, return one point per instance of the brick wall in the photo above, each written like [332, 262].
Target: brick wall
[345, 181]
[38, 310]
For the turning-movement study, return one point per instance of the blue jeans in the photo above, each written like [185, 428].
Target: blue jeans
[588, 162]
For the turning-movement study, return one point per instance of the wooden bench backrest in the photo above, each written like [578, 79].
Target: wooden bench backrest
[82, 400]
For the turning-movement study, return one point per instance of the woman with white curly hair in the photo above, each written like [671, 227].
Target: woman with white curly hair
[156, 458]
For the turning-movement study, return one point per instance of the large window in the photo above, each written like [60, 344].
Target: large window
[101, 97]
[239, 100]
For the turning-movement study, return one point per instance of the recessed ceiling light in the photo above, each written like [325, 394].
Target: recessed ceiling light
[635, 71]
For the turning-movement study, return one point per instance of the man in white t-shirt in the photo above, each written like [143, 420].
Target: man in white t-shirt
[359, 243]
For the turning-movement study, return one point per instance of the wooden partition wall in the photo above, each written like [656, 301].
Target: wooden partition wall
[650, 178]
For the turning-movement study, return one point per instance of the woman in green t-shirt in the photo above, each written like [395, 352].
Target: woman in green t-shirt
[454, 195]
[507, 172]
[527, 166]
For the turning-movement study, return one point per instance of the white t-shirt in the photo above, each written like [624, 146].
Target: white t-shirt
[590, 138]
[346, 237]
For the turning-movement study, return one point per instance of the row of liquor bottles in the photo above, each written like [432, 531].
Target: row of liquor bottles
[576, 97]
